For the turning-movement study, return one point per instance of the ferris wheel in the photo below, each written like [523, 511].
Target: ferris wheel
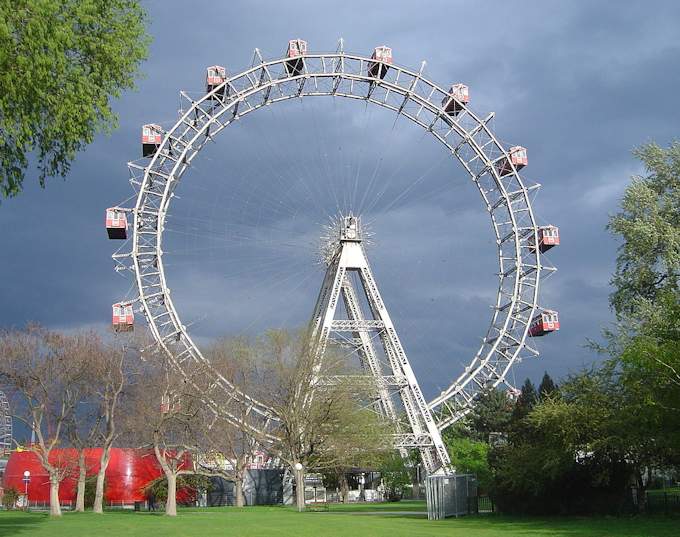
[443, 114]
[5, 424]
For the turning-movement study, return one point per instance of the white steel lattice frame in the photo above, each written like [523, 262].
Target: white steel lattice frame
[5, 424]
[350, 259]
[467, 136]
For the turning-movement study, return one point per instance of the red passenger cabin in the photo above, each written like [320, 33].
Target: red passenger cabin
[517, 155]
[545, 322]
[383, 59]
[548, 236]
[215, 76]
[123, 317]
[165, 404]
[297, 48]
[152, 136]
[116, 223]
[459, 95]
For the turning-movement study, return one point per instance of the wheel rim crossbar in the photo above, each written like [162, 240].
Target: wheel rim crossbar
[467, 136]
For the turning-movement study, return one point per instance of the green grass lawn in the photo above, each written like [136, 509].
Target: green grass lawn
[284, 522]
[404, 505]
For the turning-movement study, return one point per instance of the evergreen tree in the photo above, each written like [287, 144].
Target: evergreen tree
[525, 402]
[492, 414]
[547, 387]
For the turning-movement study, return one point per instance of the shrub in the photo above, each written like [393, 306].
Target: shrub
[9, 499]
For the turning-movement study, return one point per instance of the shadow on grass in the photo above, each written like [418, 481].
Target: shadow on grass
[16, 523]
[603, 526]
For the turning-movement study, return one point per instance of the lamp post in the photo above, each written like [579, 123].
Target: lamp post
[300, 487]
[26, 480]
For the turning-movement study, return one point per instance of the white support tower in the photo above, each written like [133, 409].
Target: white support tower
[393, 376]
[5, 425]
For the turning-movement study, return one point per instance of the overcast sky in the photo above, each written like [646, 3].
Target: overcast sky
[580, 84]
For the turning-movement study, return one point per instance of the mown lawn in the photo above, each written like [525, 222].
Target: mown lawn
[284, 522]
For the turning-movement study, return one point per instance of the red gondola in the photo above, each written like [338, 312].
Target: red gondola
[123, 317]
[165, 404]
[152, 136]
[548, 236]
[459, 95]
[296, 49]
[517, 156]
[116, 223]
[215, 76]
[545, 322]
[383, 57]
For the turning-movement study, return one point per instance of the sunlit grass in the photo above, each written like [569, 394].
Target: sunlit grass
[283, 522]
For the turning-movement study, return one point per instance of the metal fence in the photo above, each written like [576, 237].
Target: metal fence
[662, 502]
[448, 495]
[480, 505]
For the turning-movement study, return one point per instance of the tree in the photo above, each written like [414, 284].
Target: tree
[395, 476]
[111, 369]
[491, 414]
[61, 61]
[9, 498]
[645, 343]
[470, 457]
[227, 449]
[547, 388]
[44, 372]
[93, 422]
[164, 414]
[82, 433]
[321, 427]
[525, 403]
[648, 263]
[610, 425]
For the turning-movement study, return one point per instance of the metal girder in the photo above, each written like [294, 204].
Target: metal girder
[358, 325]
[378, 382]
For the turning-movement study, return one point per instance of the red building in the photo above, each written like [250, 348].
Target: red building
[128, 472]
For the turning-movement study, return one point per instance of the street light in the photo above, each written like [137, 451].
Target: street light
[27, 480]
[300, 487]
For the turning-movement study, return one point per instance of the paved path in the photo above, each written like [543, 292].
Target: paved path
[390, 513]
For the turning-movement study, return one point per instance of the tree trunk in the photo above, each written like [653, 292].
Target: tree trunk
[98, 506]
[299, 488]
[344, 488]
[238, 491]
[82, 474]
[55, 508]
[171, 502]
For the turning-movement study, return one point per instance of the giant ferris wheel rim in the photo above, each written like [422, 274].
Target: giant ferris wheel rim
[506, 199]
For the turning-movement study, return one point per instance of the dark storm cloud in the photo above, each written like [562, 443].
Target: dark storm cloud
[579, 84]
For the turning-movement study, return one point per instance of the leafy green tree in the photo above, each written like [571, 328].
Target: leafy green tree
[605, 423]
[648, 263]
[10, 498]
[580, 452]
[470, 457]
[645, 345]
[61, 61]
[395, 476]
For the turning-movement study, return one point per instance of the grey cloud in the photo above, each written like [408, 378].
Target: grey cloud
[579, 84]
